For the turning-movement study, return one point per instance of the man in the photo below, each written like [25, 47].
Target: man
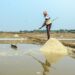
[47, 23]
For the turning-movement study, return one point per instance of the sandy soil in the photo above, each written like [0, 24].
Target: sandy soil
[36, 37]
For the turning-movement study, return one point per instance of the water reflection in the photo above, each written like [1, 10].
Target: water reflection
[18, 63]
[45, 65]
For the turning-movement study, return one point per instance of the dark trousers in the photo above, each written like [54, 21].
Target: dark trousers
[48, 27]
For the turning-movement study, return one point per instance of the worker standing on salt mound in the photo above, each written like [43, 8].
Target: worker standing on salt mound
[47, 23]
[53, 50]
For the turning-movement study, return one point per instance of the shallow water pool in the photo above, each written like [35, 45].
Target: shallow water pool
[19, 62]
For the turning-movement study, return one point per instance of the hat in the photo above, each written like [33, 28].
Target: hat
[45, 13]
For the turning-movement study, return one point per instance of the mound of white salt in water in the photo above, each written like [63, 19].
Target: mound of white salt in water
[53, 50]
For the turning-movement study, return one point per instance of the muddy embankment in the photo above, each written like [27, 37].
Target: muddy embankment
[36, 38]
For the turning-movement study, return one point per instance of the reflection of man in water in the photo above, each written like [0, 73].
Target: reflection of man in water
[47, 23]
[45, 65]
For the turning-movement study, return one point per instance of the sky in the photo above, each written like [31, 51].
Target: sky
[16, 15]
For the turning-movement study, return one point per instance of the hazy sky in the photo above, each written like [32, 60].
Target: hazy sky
[18, 15]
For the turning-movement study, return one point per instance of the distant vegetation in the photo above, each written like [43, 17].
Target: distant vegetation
[42, 31]
[61, 30]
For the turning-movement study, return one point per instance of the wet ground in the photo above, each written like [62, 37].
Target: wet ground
[26, 59]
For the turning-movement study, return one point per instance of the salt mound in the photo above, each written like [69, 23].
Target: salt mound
[16, 35]
[53, 49]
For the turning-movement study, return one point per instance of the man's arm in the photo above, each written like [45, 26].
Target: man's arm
[43, 25]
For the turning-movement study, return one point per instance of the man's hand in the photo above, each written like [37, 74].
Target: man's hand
[40, 27]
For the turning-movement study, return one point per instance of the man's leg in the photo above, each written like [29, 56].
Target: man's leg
[48, 31]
